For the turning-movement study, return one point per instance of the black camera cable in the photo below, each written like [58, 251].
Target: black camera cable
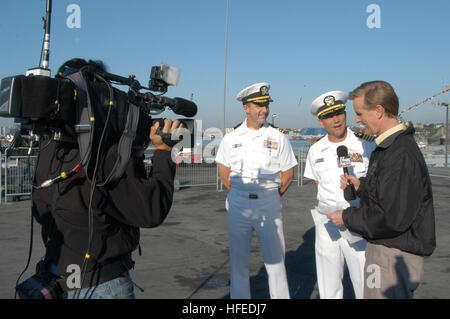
[61, 176]
[30, 250]
[87, 255]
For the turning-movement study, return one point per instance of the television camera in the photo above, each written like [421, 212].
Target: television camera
[80, 105]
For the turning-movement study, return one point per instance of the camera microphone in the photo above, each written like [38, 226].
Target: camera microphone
[344, 162]
[178, 105]
[184, 107]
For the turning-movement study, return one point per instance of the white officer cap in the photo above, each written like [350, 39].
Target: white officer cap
[328, 103]
[256, 93]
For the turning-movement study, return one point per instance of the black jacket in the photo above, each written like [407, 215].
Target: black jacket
[396, 198]
[118, 210]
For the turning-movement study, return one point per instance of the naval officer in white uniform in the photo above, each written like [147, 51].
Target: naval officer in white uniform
[335, 244]
[256, 164]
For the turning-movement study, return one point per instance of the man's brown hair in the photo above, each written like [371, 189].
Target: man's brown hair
[378, 93]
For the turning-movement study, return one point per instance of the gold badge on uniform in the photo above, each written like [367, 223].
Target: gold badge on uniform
[270, 144]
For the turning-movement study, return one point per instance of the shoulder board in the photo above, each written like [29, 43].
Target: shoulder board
[276, 127]
[360, 134]
[236, 126]
[315, 140]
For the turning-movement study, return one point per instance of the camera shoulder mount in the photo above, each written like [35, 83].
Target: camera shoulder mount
[85, 122]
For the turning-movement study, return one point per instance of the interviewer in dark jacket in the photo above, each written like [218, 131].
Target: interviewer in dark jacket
[396, 215]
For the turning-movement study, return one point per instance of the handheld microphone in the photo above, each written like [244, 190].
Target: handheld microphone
[344, 162]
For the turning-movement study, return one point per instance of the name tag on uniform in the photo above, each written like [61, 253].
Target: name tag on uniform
[236, 145]
[319, 160]
[270, 144]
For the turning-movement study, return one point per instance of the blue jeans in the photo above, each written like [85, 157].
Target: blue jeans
[118, 288]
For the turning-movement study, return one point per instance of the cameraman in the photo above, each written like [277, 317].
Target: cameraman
[117, 209]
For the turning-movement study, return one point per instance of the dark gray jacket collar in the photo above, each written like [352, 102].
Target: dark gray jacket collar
[390, 139]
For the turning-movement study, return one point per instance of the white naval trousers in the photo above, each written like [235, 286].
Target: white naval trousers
[332, 252]
[264, 216]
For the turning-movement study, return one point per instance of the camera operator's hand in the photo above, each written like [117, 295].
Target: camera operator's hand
[169, 127]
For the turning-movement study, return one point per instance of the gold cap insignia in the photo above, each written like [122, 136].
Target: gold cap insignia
[264, 90]
[329, 100]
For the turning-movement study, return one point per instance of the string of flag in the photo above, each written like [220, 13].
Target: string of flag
[424, 101]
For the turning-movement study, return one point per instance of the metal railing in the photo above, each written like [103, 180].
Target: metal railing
[16, 175]
[193, 174]
[17, 171]
[196, 174]
[301, 159]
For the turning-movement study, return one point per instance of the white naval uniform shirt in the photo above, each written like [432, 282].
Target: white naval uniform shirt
[255, 157]
[322, 166]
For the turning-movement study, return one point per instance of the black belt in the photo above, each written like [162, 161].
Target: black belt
[253, 196]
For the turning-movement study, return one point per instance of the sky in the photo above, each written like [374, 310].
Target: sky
[302, 48]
